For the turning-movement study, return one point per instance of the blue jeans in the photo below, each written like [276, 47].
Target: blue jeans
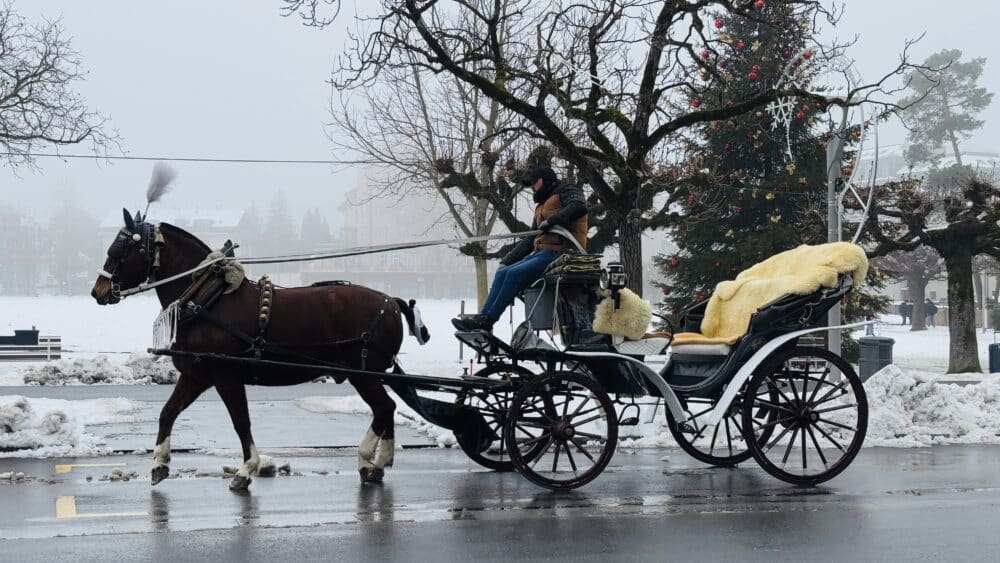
[510, 280]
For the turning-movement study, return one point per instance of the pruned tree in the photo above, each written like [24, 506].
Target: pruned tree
[612, 85]
[944, 104]
[916, 268]
[39, 106]
[959, 227]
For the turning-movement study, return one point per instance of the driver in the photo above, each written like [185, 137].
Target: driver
[558, 203]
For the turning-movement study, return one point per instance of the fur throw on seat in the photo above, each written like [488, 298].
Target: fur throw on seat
[799, 271]
[630, 320]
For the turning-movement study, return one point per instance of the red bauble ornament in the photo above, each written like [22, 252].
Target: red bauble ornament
[752, 76]
[705, 54]
[695, 102]
[719, 23]
[674, 262]
[786, 53]
[737, 209]
[741, 45]
[759, 4]
[701, 297]
[692, 199]
[807, 55]
[756, 68]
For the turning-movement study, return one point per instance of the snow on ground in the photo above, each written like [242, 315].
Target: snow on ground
[57, 428]
[910, 403]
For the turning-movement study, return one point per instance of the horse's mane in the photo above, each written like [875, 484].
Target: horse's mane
[182, 233]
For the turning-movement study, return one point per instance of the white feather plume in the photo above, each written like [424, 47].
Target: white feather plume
[159, 182]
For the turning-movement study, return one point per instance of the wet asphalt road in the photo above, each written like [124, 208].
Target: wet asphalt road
[937, 504]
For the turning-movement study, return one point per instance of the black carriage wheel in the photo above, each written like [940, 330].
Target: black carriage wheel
[723, 444]
[574, 420]
[820, 415]
[493, 406]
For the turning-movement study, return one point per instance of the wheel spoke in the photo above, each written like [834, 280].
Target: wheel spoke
[819, 383]
[777, 438]
[555, 458]
[771, 405]
[715, 434]
[589, 435]
[522, 429]
[825, 398]
[830, 438]
[831, 409]
[805, 464]
[837, 424]
[591, 419]
[583, 450]
[569, 456]
[779, 421]
[791, 443]
[541, 454]
[819, 450]
[533, 440]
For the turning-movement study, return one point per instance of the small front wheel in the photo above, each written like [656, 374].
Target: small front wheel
[818, 413]
[493, 406]
[573, 420]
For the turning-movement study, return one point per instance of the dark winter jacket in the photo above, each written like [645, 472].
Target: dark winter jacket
[561, 204]
[930, 308]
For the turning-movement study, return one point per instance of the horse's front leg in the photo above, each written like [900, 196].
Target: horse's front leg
[378, 448]
[234, 395]
[186, 390]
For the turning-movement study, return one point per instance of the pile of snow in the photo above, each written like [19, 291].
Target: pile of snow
[56, 428]
[910, 409]
[138, 369]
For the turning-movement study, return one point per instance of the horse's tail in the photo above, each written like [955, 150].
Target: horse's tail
[412, 314]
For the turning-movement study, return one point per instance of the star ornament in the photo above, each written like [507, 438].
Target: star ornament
[781, 111]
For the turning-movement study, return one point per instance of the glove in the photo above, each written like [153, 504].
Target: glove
[545, 227]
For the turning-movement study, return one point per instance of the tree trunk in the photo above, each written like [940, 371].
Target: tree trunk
[630, 243]
[918, 289]
[964, 350]
[481, 287]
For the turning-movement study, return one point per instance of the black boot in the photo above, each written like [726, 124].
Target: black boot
[473, 322]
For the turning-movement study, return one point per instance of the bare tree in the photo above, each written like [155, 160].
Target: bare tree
[437, 134]
[958, 228]
[38, 104]
[613, 85]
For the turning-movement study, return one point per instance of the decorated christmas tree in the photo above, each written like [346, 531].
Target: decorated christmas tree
[764, 187]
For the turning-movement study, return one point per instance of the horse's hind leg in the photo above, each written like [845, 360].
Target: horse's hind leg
[186, 390]
[234, 395]
[377, 448]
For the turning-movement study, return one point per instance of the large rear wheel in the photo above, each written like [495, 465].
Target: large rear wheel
[820, 415]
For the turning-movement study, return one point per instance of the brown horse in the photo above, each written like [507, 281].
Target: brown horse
[347, 325]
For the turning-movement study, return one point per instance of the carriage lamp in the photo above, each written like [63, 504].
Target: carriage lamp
[614, 277]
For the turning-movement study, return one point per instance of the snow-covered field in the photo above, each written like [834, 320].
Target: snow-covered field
[910, 405]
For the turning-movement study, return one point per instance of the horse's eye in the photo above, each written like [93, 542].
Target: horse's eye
[136, 237]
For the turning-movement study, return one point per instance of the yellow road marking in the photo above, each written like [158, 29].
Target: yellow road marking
[66, 468]
[66, 508]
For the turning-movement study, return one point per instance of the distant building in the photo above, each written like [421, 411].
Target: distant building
[213, 226]
[433, 271]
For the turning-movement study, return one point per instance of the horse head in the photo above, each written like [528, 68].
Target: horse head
[132, 259]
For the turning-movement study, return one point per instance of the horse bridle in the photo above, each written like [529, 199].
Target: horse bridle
[149, 240]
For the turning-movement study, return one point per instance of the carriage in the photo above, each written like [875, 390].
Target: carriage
[738, 383]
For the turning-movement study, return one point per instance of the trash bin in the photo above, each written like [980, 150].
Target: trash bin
[875, 352]
[995, 357]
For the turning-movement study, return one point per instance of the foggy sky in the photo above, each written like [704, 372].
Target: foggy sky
[233, 79]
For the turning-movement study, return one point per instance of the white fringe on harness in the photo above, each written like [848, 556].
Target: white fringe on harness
[165, 327]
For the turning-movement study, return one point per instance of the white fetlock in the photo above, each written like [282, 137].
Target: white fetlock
[366, 450]
[385, 454]
[161, 453]
[250, 466]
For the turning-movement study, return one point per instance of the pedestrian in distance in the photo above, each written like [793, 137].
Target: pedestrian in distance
[930, 309]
